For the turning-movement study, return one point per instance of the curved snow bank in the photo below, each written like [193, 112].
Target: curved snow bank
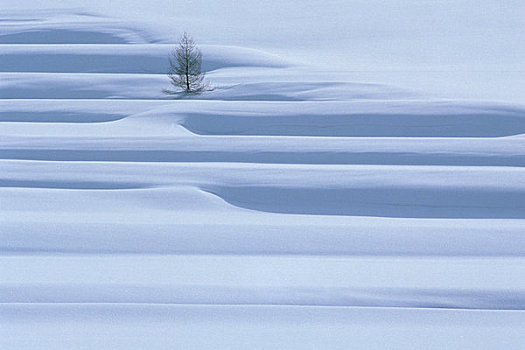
[82, 86]
[341, 119]
[356, 190]
[80, 185]
[100, 293]
[505, 151]
[150, 86]
[365, 119]
[154, 230]
[304, 91]
[62, 36]
[385, 201]
[125, 326]
[233, 280]
[66, 27]
[58, 117]
[139, 58]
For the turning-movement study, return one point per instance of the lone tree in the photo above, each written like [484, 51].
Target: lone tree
[185, 67]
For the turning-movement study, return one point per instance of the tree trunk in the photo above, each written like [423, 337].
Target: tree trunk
[187, 78]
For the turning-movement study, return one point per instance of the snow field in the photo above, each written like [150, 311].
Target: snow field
[286, 209]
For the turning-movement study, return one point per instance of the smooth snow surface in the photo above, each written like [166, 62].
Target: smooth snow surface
[355, 179]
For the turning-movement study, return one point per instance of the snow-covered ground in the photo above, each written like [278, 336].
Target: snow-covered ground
[355, 180]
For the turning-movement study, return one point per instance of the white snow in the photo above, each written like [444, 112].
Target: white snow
[354, 180]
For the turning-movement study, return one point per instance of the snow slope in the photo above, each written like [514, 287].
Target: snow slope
[292, 207]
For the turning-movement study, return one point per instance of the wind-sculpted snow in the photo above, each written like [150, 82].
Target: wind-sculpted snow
[66, 27]
[430, 123]
[507, 151]
[138, 58]
[58, 117]
[227, 280]
[357, 190]
[149, 86]
[60, 36]
[237, 327]
[288, 207]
